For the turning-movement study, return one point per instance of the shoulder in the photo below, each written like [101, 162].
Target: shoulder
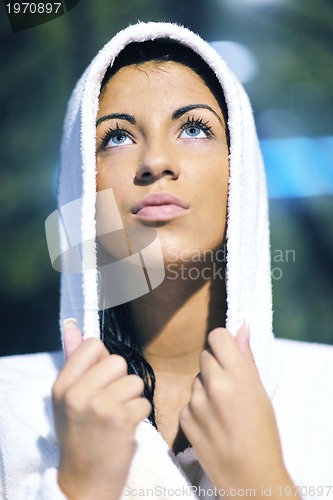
[305, 349]
[304, 408]
[29, 368]
[305, 359]
[28, 446]
[25, 391]
[306, 368]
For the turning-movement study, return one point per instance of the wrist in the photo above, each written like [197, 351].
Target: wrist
[284, 488]
[278, 487]
[275, 484]
[85, 492]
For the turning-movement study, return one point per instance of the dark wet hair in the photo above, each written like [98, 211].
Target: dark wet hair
[117, 329]
[163, 50]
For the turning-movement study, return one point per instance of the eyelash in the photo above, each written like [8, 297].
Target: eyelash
[109, 133]
[198, 122]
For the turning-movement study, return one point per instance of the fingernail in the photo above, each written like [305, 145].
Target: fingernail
[245, 329]
[69, 323]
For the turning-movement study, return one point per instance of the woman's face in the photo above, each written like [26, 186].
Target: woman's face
[162, 148]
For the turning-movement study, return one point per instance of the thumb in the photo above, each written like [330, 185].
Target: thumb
[242, 339]
[72, 336]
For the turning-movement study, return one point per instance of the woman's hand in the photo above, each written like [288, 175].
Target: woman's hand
[97, 407]
[230, 421]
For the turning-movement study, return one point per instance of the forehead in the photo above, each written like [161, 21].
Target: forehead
[166, 82]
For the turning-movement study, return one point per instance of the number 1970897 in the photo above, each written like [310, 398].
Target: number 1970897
[33, 8]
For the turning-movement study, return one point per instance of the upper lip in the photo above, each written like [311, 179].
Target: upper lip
[155, 199]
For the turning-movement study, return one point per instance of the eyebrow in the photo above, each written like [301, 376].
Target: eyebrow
[175, 115]
[120, 116]
[184, 109]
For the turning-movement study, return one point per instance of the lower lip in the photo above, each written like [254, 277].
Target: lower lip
[159, 213]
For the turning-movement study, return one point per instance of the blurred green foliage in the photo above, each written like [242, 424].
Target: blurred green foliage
[302, 232]
[292, 41]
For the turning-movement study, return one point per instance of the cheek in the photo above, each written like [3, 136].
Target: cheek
[213, 180]
[210, 179]
[113, 176]
[106, 180]
[105, 177]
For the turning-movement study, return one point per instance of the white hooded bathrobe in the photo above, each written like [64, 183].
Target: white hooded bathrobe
[298, 377]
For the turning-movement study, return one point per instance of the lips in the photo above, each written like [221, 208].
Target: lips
[159, 207]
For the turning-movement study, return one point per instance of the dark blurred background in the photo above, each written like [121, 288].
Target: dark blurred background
[282, 50]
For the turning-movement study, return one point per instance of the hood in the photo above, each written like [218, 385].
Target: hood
[248, 281]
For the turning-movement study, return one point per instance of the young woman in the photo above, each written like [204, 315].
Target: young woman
[161, 394]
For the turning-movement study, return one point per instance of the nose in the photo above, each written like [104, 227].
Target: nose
[157, 161]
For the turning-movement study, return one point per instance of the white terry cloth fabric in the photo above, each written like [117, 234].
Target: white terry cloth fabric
[28, 452]
[299, 385]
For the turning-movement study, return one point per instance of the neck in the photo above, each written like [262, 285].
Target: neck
[173, 321]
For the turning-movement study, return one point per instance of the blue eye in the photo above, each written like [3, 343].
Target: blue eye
[195, 129]
[118, 138]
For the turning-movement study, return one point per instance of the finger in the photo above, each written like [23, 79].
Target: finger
[72, 337]
[209, 366]
[113, 400]
[242, 339]
[123, 415]
[197, 387]
[101, 375]
[189, 425]
[123, 389]
[138, 409]
[198, 381]
[90, 352]
[224, 348]
[198, 400]
[213, 376]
